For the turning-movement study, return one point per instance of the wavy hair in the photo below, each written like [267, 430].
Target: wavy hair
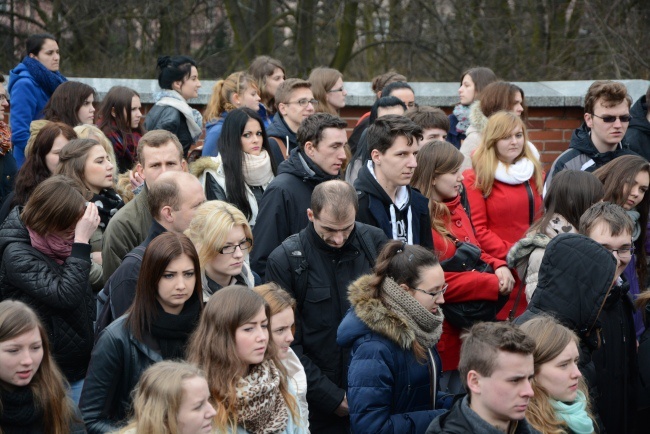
[222, 92]
[48, 383]
[212, 347]
[65, 102]
[485, 160]
[261, 68]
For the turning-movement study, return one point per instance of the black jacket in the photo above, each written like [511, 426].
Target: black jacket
[461, 419]
[638, 133]
[167, 118]
[279, 129]
[374, 204]
[60, 294]
[574, 282]
[323, 307]
[583, 155]
[283, 209]
[117, 362]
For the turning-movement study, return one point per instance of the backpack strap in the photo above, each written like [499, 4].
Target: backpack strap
[137, 252]
[282, 146]
[367, 244]
[299, 267]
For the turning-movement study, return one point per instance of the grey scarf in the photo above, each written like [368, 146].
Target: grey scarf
[426, 325]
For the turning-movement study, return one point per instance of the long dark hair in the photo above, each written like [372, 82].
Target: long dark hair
[233, 157]
[65, 102]
[618, 177]
[160, 252]
[118, 101]
[35, 170]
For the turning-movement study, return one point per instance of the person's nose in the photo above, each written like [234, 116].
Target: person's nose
[26, 360]
[289, 337]
[440, 299]
[576, 372]
[460, 177]
[412, 162]
[238, 253]
[210, 412]
[527, 390]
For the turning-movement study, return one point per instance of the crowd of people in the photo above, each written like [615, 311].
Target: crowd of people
[423, 276]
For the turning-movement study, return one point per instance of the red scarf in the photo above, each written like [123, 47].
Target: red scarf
[53, 245]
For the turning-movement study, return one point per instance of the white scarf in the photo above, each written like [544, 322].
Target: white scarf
[257, 169]
[174, 99]
[519, 172]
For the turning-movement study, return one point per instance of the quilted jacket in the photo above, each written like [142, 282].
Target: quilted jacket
[60, 294]
[389, 390]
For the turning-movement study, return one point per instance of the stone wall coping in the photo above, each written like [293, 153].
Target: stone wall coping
[538, 94]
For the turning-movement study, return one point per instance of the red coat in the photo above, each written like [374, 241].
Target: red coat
[500, 220]
[466, 286]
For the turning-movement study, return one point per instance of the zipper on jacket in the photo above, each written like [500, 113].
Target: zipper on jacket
[531, 203]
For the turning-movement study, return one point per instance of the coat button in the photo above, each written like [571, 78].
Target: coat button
[467, 240]
[459, 223]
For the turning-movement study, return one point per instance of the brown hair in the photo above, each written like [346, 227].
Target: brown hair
[435, 159]
[283, 94]
[161, 251]
[72, 161]
[335, 195]
[277, 298]
[428, 117]
[260, 69]
[551, 338]
[481, 76]
[165, 191]
[380, 81]
[485, 159]
[65, 102]
[222, 92]
[213, 348]
[115, 112]
[499, 96]
[614, 216]
[482, 343]
[156, 139]
[382, 134]
[322, 80]
[48, 383]
[610, 92]
[55, 205]
[311, 129]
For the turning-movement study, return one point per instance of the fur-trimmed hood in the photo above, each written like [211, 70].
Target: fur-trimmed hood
[476, 117]
[205, 164]
[368, 314]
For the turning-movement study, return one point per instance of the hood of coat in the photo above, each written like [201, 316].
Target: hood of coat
[369, 314]
[279, 128]
[639, 112]
[574, 278]
[301, 166]
[367, 183]
[204, 164]
[476, 117]
[13, 230]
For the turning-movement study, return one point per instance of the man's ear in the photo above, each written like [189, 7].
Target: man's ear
[140, 170]
[282, 108]
[166, 214]
[375, 156]
[310, 215]
[184, 165]
[589, 120]
[309, 148]
[474, 382]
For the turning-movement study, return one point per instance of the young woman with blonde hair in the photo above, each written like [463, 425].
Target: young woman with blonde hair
[171, 398]
[223, 238]
[247, 381]
[504, 190]
[561, 401]
[237, 90]
[283, 308]
[33, 394]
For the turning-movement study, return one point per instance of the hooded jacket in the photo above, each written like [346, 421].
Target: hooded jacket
[59, 293]
[573, 286]
[162, 117]
[389, 390]
[583, 155]
[376, 208]
[212, 133]
[280, 130]
[283, 208]
[473, 135]
[461, 419]
[638, 133]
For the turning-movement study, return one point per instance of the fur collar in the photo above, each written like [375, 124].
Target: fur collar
[476, 117]
[376, 316]
[204, 164]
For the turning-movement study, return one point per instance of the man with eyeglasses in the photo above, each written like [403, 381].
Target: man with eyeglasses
[600, 138]
[316, 266]
[295, 102]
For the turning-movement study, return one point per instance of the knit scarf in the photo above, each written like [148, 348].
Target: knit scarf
[518, 172]
[55, 246]
[261, 408]
[18, 410]
[46, 79]
[5, 138]
[426, 325]
[257, 169]
[574, 414]
[635, 215]
[462, 114]
[125, 145]
[173, 331]
[171, 98]
[108, 202]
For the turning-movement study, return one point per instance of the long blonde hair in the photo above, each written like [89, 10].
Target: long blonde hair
[213, 348]
[222, 92]
[485, 160]
[551, 338]
[158, 397]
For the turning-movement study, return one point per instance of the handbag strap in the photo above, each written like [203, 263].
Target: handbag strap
[511, 315]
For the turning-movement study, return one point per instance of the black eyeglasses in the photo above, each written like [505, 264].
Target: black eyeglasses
[340, 89]
[623, 252]
[243, 246]
[434, 294]
[304, 102]
[612, 119]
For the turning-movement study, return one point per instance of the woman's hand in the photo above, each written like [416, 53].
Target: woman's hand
[506, 281]
[136, 179]
[87, 224]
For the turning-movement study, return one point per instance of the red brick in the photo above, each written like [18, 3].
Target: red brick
[535, 124]
[567, 135]
[546, 112]
[555, 146]
[562, 124]
[548, 157]
[546, 135]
